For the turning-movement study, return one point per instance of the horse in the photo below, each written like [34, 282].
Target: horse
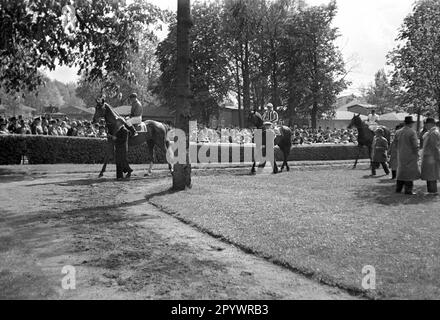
[366, 136]
[284, 141]
[155, 135]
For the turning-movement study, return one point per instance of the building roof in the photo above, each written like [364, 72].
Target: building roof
[362, 108]
[343, 116]
[398, 116]
[77, 110]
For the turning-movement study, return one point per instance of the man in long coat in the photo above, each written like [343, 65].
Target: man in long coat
[407, 157]
[431, 156]
[393, 155]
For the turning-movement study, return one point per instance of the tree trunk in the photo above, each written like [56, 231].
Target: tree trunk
[275, 96]
[246, 81]
[182, 171]
[240, 113]
[314, 115]
[419, 112]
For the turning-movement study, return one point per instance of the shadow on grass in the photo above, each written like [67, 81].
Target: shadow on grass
[93, 181]
[385, 194]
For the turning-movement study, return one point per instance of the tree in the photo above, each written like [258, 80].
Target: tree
[416, 60]
[99, 41]
[381, 93]
[210, 73]
[182, 171]
[315, 67]
[145, 70]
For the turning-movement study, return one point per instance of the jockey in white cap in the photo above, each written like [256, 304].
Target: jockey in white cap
[271, 119]
[373, 118]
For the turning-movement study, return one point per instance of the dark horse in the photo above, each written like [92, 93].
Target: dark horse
[156, 135]
[284, 141]
[366, 136]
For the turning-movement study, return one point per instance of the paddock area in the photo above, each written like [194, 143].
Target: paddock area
[306, 234]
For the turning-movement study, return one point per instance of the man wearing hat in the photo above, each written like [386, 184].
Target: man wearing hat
[135, 115]
[431, 156]
[407, 157]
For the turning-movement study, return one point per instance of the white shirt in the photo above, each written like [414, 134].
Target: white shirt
[373, 118]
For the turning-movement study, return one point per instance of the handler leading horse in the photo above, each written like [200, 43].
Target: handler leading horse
[156, 135]
[283, 141]
[366, 136]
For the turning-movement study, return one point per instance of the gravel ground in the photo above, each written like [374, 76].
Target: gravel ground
[121, 246]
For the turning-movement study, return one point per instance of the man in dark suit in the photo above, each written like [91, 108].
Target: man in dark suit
[407, 157]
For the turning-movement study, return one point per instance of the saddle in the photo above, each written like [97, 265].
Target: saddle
[141, 127]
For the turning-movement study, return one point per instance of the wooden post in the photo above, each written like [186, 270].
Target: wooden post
[182, 172]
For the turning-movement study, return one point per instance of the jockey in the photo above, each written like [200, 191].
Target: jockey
[270, 115]
[271, 119]
[135, 115]
[373, 118]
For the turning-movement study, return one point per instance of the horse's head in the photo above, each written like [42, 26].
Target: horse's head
[99, 110]
[255, 119]
[356, 122]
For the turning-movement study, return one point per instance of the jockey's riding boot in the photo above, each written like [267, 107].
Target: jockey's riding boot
[386, 169]
[133, 131]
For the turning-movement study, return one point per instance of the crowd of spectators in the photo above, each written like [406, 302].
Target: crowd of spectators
[307, 136]
[52, 127]
[203, 134]
[301, 136]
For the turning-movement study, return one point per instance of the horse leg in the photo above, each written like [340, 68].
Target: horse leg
[151, 154]
[104, 167]
[169, 154]
[110, 149]
[285, 164]
[275, 167]
[253, 171]
[370, 155]
[262, 165]
[358, 156]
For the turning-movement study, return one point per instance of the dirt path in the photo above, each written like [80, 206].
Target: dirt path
[122, 247]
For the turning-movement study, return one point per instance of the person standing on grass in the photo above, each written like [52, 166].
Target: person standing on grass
[380, 153]
[407, 157]
[431, 156]
[393, 155]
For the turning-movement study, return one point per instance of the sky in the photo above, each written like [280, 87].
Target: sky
[368, 30]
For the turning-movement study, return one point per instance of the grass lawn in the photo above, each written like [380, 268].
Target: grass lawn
[327, 224]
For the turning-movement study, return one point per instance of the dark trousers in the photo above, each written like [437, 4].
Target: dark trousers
[394, 174]
[376, 166]
[432, 186]
[409, 186]
[121, 150]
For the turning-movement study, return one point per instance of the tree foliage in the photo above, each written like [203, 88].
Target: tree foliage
[99, 41]
[382, 94]
[278, 51]
[210, 76]
[416, 60]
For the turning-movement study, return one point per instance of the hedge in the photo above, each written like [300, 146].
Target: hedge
[52, 150]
